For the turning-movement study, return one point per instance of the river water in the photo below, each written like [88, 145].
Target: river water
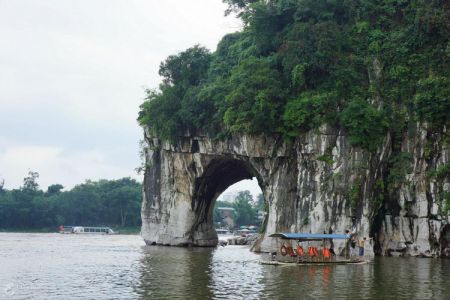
[55, 266]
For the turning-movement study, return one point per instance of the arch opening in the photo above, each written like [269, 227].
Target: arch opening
[219, 175]
[240, 208]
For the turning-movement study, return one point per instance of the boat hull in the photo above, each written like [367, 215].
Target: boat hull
[315, 263]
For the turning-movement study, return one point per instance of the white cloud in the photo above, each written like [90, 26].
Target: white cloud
[247, 184]
[73, 75]
[56, 166]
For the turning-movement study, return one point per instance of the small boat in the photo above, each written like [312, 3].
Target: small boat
[316, 263]
[86, 230]
[223, 231]
[310, 255]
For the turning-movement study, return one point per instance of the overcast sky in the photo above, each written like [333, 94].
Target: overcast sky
[73, 74]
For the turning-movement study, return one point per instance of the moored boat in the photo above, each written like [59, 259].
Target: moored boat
[317, 263]
[86, 230]
[311, 249]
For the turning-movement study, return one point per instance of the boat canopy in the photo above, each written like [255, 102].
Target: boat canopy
[308, 236]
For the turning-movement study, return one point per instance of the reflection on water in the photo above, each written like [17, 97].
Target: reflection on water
[200, 273]
[174, 272]
[53, 266]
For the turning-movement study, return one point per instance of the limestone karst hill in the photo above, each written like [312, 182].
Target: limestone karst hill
[340, 109]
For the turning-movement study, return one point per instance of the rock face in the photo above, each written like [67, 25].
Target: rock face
[317, 183]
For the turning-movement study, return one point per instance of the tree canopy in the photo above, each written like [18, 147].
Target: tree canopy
[96, 203]
[367, 66]
[245, 208]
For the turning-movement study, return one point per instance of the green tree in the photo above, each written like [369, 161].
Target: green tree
[365, 125]
[187, 68]
[104, 202]
[241, 7]
[370, 67]
[176, 107]
[7, 208]
[42, 212]
[245, 213]
[2, 184]
[125, 204]
[257, 98]
[432, 100]
[308, 111]
[54, 189]
[30, 182]
[260, 202]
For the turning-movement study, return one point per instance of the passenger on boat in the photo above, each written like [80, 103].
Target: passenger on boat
[362, 243]
[353, 250]
[332, 252]
[361, 246]
[273, 255]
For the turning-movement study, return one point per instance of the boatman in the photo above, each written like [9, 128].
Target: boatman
[353, 240]
[361, 245]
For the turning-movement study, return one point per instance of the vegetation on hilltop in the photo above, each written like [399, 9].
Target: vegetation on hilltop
[368, 66]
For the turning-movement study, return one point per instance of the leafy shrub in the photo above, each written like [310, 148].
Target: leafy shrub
[443, 172]
[256, 99]
[355, 194]
[308, 111]
[433, 100]
[326, 158]
[400, 166]
[366, 126]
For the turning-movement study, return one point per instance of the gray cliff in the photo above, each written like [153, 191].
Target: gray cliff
[317, 183]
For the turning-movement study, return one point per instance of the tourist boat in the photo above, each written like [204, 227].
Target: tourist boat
[223, 231]
[86, 230]
[307, 251]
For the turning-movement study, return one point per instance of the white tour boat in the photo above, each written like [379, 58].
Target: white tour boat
[86, 230]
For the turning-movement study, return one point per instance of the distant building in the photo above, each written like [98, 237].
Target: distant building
[226, 216]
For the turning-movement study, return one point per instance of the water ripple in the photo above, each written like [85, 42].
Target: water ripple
[54, 266]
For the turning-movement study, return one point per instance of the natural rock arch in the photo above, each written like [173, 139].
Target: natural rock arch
[183, 181]
[317, 183]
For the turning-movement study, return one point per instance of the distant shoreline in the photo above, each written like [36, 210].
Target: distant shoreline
[120, 230]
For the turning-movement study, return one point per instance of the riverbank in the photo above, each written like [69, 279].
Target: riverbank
[119, 230]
